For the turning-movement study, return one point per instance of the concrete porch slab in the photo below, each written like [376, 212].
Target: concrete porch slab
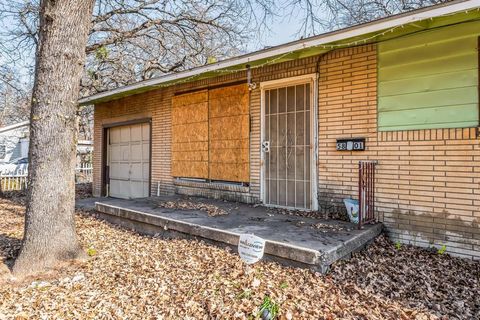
[294, 240]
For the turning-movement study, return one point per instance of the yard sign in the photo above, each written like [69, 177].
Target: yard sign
[251, 248]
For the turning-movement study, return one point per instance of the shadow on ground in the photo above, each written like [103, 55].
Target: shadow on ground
[9, 248]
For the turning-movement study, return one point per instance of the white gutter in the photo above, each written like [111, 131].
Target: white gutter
[14, 126]
[375, 26]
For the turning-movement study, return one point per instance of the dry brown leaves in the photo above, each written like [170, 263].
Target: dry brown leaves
[17, 197]
[210, 209]
[325, 227]
[11, 227]
[289, 212]
[83, 190]
[130, 276]
[420, 278]
[335, 214]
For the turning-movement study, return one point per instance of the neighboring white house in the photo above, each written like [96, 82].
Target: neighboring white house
[14, 141]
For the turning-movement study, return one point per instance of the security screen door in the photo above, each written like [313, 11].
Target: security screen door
[287, 146]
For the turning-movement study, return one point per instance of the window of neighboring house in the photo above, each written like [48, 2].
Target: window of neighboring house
[429, 80]
[2, 151]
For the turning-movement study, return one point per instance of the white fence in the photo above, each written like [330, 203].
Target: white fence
[84, 173]
[18, 180]
[14, 181]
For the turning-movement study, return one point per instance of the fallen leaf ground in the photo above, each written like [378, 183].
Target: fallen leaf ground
[420, 278]
[130, 276]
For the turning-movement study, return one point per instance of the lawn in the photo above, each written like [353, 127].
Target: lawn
[129, 276]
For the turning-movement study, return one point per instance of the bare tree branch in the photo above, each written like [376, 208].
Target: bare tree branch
[132, 40]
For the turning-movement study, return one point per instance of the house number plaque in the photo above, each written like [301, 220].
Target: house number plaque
[351, 144]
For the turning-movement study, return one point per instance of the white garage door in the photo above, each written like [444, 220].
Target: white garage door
[129, 161]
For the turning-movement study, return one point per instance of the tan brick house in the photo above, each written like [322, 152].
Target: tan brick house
[263, 127]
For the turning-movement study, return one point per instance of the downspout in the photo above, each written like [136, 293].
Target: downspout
[316, 127]
[251, 86]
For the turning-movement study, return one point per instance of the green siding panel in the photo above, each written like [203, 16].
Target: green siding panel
[429, 51]
[430, 79]
[428, 99]
[419, 68]
[454, 116]
[423, 38]
[430, 82]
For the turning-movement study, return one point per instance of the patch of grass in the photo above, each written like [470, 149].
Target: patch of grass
[398, 245]
[269, 309]
[101, 53]
[442, 249]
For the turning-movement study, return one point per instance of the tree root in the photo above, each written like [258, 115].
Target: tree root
[26, 265]
[5, 273]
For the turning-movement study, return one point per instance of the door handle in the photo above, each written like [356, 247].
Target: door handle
[266, 146]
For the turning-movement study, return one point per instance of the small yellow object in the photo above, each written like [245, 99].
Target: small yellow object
[91, 251]
[211, 60]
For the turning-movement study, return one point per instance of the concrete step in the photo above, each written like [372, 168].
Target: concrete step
[316, 253]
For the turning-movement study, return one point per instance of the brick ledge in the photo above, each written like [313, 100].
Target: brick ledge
[212, 186]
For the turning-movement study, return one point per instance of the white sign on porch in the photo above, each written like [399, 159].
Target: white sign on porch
[251, 248]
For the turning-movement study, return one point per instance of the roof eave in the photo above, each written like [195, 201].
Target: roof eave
[323, 39]
[15, 126]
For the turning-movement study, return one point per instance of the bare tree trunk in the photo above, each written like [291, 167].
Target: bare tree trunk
[50, 234]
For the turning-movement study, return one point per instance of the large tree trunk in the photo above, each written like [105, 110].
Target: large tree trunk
[50, 234]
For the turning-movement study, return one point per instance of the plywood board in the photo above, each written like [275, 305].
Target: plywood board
[229, 134]
[210, 134]
[190, 132]
[191, 98]
[190, 135]
[228, 106]
[229, 144]
[190, 156]
[190, 169]
[227, 91]
[230, 128]
[229, 171]
[229, 156]
[187, 146]
[190, 113]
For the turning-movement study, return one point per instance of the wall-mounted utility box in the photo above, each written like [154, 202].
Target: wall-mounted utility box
[351, 144]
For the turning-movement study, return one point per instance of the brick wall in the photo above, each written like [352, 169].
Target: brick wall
[116, 111]
[427, 180]
[156, 104]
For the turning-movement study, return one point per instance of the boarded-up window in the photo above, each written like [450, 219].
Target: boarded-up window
[190, 135]
[211, 134]
[229, 133]
[429, 80]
